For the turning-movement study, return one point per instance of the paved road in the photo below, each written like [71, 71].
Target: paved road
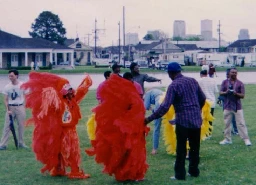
[75, 79]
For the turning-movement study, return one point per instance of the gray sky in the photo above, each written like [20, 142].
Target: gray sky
[16, 16]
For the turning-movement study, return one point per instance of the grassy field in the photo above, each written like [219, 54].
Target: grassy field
[226, 165]
[92, 69]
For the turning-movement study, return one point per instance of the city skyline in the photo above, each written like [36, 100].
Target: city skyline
[78, 17]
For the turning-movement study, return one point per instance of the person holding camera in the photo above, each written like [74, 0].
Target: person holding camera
[233, 90]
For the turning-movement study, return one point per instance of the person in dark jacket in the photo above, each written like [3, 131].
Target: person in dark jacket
[141, 78]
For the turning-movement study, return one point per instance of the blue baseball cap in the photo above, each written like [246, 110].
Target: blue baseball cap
[174, 67]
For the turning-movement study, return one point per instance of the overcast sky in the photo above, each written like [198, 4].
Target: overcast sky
[78, 16]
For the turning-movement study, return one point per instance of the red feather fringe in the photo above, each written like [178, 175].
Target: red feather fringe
[55, 143]
[120, 133]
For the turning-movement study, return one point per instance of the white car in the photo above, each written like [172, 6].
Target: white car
[142, 63]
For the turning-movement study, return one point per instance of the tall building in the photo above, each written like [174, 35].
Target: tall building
[206, 29]
[179, 28]
[155, 33]
[131, 38]
[243, 34]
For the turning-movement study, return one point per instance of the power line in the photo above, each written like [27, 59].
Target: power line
[218, 31]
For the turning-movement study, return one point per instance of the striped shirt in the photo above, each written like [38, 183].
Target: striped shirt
[187, 98]
[209, 87]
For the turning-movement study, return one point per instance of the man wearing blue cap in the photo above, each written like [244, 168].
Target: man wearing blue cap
[186, 96]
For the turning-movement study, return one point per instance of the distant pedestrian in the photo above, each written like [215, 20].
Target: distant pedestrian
[106, 75]
[141, 78]
[36, 66]
[32, 65]
[212, 71]
[233, 90]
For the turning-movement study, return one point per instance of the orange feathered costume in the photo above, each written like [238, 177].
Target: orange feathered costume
[119, 142]
[55, 140]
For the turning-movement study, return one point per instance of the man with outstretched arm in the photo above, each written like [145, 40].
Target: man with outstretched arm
[186, 96]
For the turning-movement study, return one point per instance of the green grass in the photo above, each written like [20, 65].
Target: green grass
[92, 69]
[226, 165]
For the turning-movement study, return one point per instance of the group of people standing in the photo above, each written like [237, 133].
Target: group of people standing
[231, 92]
[122, 134]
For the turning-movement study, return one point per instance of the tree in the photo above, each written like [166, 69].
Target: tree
[177, 38]
[48, 26]
[195, 38]
[148, 37]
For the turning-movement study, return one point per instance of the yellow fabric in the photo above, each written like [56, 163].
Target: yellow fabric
[91, 127]
[206, 128]
[169, 135]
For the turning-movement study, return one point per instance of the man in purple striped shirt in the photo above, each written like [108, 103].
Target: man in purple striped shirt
[188, 99]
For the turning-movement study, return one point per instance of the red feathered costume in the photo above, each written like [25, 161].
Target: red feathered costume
[120, 133]
[55, 115]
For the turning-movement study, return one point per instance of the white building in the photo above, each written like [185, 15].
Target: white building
[243, 34]
[206, 29]
[179, 28]
[131, 38]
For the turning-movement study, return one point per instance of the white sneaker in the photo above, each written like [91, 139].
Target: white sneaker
[247, 142]
[225, 142]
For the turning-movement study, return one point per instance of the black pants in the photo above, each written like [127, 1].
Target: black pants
[193, 135]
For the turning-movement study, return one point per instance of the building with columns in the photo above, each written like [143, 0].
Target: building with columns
[16, 51]
[82, 52]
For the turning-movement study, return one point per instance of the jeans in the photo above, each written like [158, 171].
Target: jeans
[234, 124]
[156, 134]
[193, 135]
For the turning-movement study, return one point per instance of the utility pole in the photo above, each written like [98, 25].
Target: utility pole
[88, 36]
[218, 30]
[124, 30]
[95, 37]
[119, 42]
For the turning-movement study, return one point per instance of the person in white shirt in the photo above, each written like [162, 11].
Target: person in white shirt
[32, 65]
[209, 87]
[14, 103]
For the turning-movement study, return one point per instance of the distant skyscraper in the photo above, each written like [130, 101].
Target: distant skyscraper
[155, 34]
[179, 28]
[206, 29]
[131, 38]
[243, 34]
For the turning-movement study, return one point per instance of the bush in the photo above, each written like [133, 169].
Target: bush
[20, 67]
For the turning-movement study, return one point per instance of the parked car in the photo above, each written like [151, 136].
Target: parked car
[142, 63]
[223, 64]
[127, 64]
[253, 64]
[162, 64]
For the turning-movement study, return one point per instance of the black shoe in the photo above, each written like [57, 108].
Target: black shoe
[3, 147]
